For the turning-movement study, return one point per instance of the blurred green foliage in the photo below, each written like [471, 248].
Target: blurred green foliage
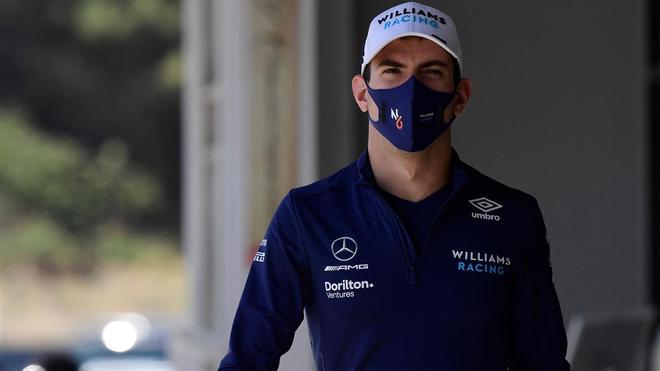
[76, 187]
[89, 101]
[170, 71]
[97, 19]
[92, 70]
[40, 241]
[117, 243]
[58, 200]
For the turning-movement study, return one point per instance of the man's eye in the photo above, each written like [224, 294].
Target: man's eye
[431, 71]
[391, 70]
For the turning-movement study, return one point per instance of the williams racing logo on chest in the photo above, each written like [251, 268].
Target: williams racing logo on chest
[480, 262]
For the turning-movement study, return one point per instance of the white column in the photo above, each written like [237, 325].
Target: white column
[195, 341]
[308, 95]
[232, 121]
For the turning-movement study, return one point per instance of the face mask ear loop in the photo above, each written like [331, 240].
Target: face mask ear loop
[381, 116]
[453, 117]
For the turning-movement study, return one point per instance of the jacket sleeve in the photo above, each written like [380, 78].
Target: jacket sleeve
[272, 303]
[539, 334]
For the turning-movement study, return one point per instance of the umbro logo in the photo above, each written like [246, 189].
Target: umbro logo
[485, 205]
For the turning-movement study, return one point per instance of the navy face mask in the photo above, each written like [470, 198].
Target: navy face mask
[410, 115]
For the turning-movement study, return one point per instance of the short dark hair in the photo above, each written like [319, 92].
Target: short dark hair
[457, 72]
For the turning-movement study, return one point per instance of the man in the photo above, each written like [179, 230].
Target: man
[407, 259]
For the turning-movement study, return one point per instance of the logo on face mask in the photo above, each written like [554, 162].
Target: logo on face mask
[397, 118]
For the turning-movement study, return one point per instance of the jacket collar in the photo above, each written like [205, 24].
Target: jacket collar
[459, 174]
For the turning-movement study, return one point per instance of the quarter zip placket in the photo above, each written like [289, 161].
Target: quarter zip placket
[408, 249]
[438, 216]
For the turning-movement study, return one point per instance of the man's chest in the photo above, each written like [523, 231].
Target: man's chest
[363, 266]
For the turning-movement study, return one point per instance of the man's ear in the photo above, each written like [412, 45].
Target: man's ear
[360, 92]
[463, 93]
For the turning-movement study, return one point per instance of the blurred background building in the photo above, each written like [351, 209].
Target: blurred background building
[96, 156]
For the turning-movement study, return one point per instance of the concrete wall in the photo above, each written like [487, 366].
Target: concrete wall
[558, 111]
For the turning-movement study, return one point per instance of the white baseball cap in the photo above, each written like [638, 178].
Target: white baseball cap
[411, 19]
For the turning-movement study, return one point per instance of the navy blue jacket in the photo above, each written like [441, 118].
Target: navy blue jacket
[478, 297]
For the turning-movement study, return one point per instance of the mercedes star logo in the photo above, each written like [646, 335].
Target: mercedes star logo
[344, 248]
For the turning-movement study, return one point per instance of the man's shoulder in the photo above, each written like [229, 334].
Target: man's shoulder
[336, 182]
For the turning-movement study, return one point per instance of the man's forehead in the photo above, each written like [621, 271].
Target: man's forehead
[418, 46]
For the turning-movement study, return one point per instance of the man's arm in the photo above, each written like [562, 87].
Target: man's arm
[271, 307]
[539, 334]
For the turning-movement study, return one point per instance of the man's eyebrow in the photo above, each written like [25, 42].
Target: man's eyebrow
[434, 63]
[390, 63]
